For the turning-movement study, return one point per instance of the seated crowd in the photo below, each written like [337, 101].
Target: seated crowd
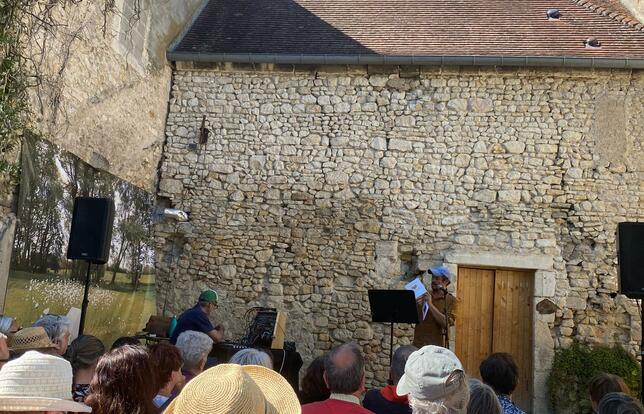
[50, 375]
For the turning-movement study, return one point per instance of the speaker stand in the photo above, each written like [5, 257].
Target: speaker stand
[85, 300]
[639, 305]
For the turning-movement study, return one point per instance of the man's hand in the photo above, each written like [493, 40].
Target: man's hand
[421, 299]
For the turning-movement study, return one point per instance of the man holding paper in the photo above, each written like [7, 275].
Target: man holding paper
[432, 308]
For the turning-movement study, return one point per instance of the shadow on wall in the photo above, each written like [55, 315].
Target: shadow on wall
[277, 26]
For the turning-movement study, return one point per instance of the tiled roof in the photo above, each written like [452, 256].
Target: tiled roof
[414, 28]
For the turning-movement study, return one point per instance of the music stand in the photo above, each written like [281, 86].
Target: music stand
[393, 306]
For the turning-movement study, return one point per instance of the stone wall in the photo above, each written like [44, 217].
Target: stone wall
[317, 184]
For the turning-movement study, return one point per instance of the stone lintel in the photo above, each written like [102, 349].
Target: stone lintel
[500, 259]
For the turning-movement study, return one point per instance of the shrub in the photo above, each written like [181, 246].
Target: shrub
[574, 367]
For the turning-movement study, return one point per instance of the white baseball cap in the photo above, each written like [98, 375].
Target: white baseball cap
[427, 374]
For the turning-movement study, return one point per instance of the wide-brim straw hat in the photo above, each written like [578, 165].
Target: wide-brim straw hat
[236, 389]
[38, 382]
[28, 339]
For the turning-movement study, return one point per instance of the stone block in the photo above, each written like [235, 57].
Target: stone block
[480, 147]
[170, 186]
[387, 248]
[457, 104]
[545, 283]
[485, 196]
[337, 178]
[228, 272]
[576, 303]
[368, 226]
[462, 160]
[406, 121]
[480, 105]
[514, 147]
[400, 145]
[221, 167]
[574, 173]
[379, 144]
[257, 162]
[378, 81]
[510, 196]
[263, 255]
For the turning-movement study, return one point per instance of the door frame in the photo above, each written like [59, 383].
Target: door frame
[544, 288]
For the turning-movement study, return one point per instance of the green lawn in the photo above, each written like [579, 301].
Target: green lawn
[113, 311]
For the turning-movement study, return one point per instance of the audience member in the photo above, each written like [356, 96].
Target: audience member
[236, 389]
[194, 347]
[385, 400]
[83, 353]
[38, 383]
[32, 339]
[483, 399]
[167, 359]
[500, 372]
[196, 318]
[252, 356]
[344, 376]
[602, 384]
[58, 330]
[125, 340]
[125, 382]
[619, 403]
[313, 386]
[434, 382]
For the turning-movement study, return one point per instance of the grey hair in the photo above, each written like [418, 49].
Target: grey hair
[5, 324]
[343, 378]
[483, 399]
[252, 356]
[399, 360]
[194, 347]
[56, 326]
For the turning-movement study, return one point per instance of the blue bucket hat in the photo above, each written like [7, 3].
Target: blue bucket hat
[441, 271]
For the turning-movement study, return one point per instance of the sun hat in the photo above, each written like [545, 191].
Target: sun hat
[209, 296]
[38, 382]
[441, 271]
[31, 338]
[428, 372]
[233, 389]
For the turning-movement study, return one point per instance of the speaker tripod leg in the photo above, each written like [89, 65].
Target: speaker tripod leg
[85, 300]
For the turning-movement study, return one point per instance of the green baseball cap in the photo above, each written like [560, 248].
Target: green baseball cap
[209, 296]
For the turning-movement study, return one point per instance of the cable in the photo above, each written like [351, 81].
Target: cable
[283, 360]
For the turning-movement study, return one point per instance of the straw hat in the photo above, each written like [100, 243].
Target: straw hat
[234, 389]
[31, 338]
[38, 382]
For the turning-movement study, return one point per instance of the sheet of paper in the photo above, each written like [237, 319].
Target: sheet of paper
[74, 315]
[425, 309]
[417, 286]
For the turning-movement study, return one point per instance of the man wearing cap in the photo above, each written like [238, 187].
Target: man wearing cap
[196, 318]
[432, 308]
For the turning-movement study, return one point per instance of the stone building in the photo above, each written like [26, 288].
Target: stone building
[347, 149]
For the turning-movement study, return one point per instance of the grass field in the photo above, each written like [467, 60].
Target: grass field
[113, 311]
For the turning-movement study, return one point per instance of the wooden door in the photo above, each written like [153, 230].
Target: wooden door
[495, 315]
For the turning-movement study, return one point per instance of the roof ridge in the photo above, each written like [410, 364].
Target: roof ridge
[613, 15]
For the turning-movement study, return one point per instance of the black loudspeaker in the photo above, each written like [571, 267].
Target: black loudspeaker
[91, 234]
[630, 254]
